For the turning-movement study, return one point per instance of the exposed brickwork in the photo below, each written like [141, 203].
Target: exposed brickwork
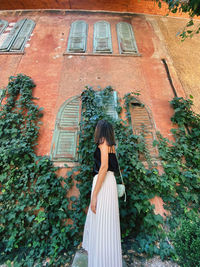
[142, 124]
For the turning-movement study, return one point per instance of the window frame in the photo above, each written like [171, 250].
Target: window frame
[132, 35]
[16, 34]
[95, 43]
[70, 37]
[58, 130]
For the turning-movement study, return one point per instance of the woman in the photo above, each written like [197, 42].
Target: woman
[102, 236]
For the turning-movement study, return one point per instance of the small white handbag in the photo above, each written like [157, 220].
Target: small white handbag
[120, 187]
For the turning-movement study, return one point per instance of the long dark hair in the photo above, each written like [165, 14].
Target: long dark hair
[104, 131]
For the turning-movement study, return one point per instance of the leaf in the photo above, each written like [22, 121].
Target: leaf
[138, 206]
[73, 198]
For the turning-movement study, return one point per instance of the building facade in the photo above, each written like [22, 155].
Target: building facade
[65, 50]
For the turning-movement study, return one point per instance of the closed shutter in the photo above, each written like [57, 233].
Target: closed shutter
[12, 35]
[3, 25]
[102, 37]
[141, 124]
[126, 38]
[66, 133]
[77, 37]
[110, 105]
[23, 35]
[18, 36]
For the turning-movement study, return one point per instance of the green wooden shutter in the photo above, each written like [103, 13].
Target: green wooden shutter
[64, 146]
[23, 35]
[102, 37]
[12, 35]
[77, 37]
[3, 25]
[110, 105]
[126, 38]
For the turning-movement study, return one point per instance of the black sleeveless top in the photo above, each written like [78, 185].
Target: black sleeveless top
[112, 161]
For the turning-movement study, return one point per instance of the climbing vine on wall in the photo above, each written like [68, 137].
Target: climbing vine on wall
[33, 204]
[34, 207]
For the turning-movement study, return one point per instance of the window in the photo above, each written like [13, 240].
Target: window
[18, 36]
[141, 124]
[111, 104]
[78, 37]
[3, 25]
[64, 146]
[102, 37]
[126, 39]
[65, 138]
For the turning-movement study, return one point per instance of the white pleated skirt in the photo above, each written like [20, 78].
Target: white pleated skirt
[102, 235]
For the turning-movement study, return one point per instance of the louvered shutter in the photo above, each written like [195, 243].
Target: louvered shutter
[12, 35]
[126, 38]
[18, 36]
[102, 37]
[23, 35]
[110, 105]
[3, 25]
[78, 37]
[141, 123]
[66, 132]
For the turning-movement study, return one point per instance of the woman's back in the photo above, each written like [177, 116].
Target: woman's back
[112, 160]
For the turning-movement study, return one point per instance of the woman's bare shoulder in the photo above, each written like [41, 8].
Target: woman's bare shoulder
[103, 145]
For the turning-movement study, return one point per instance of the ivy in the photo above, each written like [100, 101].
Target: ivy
[33, 204]
[38, 219]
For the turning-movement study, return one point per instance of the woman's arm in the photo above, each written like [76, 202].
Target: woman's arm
[101, 175]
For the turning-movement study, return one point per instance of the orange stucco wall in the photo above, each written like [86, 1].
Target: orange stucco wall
[59, 76]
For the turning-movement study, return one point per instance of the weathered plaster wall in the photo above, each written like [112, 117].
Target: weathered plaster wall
[59, 76]
[184, 55]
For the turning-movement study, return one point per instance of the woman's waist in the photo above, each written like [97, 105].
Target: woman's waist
[108, 171]
[112, 173]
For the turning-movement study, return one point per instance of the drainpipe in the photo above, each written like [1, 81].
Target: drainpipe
[172, 86]
[169, 76]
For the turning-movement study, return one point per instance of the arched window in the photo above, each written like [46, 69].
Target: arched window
[78, 37]
[126, 39]
[102, 37]
[142, 124]
[65, 138]
[3, 25]
[18, 36]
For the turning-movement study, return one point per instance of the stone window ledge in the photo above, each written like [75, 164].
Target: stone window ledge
[61, 164]
[102, 54]
[12, 53]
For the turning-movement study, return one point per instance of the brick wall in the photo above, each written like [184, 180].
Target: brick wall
[59, 76]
